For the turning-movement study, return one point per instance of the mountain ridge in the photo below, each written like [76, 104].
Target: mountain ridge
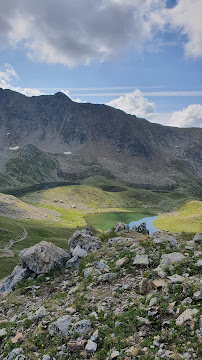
[84, 137]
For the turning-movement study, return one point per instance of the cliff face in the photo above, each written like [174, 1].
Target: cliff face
[96, 137]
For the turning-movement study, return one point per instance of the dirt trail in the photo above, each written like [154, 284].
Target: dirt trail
[6, 251]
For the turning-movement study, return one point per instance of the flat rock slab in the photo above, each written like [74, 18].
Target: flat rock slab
[43, 257]
[171, 259]
[176, 279]
[158, 284]
[141, 260]
[187, 315]
[122, 262]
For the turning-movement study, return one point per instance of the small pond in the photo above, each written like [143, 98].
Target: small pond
[105, 221]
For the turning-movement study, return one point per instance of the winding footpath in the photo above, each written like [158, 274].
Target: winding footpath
[6, 251]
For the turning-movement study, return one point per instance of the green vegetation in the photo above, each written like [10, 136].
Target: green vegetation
[101, 206]
[187, 218]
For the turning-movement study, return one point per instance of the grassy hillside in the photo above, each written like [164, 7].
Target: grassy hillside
[75, 203]
[187, 218]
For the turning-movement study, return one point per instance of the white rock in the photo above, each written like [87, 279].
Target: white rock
[3, 332]
[91, 346]
[114, 354]
[176, 279]
[78, 251]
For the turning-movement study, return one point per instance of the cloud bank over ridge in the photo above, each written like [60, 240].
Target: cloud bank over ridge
[79, 32]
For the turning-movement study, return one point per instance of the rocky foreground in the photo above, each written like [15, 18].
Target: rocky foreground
[129, 296]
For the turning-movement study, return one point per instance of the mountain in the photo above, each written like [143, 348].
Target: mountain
[50, 138]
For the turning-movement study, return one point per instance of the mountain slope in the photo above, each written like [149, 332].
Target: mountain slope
[82, 140]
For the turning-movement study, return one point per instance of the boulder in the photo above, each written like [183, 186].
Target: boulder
[176, 279]
[72, 263]
[78, 251]
[198, 238]
[142, 229]
[76, 346]
[80, 327]
[157, 284]
[14, 353]
[43, 257]
[171, 259]
[120, 226]
[60, 326]
[145, 287]
[85, 240]
[162, 237]
[107, 278]
[121, 262]
[122, 241]
[8, 284]
[91, 346]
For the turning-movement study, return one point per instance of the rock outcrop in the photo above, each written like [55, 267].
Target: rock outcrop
[85, 240]
[43, 257]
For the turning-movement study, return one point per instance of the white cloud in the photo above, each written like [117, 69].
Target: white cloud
[188, 117]
[186, 17]
[134, 103]
[73, 32]
[7, 75]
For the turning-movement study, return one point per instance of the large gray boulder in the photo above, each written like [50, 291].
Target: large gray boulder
[198, 238]
[162, 237]
[8, 284]
[85, 240]
[171, 259]
[60, 326]
[43, 257]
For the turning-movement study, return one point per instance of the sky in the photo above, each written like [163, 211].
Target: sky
[141, 56]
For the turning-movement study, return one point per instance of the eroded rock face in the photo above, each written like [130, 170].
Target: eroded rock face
[8, 284]
[43, 257]
[85, 240]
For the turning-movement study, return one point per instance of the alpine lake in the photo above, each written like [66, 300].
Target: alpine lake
[106, 221]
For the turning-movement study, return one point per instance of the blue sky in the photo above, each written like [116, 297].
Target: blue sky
[142, 56]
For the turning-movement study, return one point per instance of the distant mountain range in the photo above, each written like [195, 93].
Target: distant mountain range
[50, 138]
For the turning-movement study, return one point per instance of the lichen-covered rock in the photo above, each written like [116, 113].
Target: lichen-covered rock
[85, 240]
[171, 259]
[60, 326]
[80, 327]
[43, 257]
[160, 237]
[8, 284]
[122, 241]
